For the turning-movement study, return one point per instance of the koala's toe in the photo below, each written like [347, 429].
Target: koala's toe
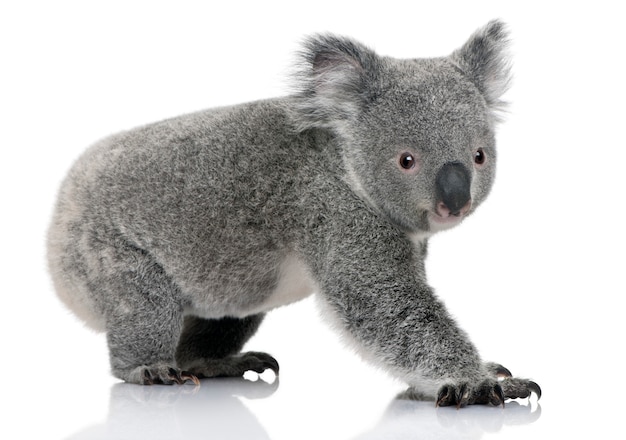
[515, 388]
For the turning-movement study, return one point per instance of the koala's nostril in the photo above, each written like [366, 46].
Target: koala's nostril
[464, 210]
[445, 212]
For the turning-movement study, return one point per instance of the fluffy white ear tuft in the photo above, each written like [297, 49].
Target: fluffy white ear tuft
[484, 59]
[333, 80]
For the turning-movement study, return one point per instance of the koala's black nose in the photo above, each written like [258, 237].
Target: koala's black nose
[452, 186]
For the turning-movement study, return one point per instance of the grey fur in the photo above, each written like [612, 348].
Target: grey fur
[221, 215]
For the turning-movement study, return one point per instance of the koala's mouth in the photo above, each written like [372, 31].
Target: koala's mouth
[439, 222]
[433, 217]
[443, 217]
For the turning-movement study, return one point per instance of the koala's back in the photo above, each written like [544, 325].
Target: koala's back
[214, 200]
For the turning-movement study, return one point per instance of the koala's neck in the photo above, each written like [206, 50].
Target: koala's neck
[346, 169]
[420, 238]
[341, 165]
[352, 179]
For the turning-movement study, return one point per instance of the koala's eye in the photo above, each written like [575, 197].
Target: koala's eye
[407, 161]
[479, 157]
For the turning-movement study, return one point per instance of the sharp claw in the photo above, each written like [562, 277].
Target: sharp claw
[499, 396]
[174, 376]
[186, 375]
[274, 366]
[442, 396]
[463, 397]
[533, 387]
[267, 362]
[147, 377]
[180, 377]
[258, 362]
[503, 372]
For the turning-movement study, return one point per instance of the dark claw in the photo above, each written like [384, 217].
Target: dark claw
[498, 370]
[532, 386]
[496, 396]
[273, 365]
[462, 397]
[147, 377]
[503, 372]
[443, 398]
[180, 377]
[259, 362]
[174, 376]
[186, 375]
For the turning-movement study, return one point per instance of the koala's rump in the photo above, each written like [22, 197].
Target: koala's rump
[212, 200]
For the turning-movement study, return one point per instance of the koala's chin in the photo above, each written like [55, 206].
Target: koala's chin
[436, 221]
[444, 218]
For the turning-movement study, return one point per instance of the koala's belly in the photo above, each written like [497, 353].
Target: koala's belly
[293, 283]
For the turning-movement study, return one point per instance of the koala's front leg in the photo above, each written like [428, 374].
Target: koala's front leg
[376, 290]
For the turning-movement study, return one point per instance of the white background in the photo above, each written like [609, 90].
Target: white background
[535, 276]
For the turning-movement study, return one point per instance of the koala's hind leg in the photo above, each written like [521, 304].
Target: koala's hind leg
[211, 347]
[144, 316]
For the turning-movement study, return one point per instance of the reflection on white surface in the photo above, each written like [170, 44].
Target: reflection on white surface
[217, 409]
[212, 410]
[405, 419]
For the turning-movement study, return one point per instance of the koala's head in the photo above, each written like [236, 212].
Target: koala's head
[416, 136]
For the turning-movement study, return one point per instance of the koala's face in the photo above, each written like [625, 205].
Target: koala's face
[416, 136]
[423, 150]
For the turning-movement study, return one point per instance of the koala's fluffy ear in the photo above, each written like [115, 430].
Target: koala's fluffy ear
[483, 58]
[334, 80]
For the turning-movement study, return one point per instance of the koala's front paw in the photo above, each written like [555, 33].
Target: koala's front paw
[488, 392]
[160, 374]
[497, 370]
[461, 394]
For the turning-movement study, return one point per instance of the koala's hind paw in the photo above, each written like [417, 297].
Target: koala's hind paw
[233, 366]
[161, 374]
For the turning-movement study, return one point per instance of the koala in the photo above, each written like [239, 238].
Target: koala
[176, 238]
